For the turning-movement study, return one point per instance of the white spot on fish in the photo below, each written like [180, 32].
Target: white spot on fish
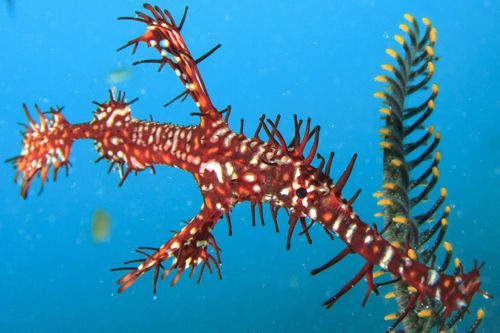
[432, 277]
[336, 225]
[313, 214]
[350, 232]
[368, 239]
[213, 166]
[389, 252]
[249, 177]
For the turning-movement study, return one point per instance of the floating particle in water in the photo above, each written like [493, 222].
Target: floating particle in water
[100, 227]
[119, 75]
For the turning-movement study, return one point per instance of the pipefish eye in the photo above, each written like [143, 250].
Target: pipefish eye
[301, 192]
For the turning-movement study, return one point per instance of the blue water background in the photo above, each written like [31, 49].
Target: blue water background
[315, 59]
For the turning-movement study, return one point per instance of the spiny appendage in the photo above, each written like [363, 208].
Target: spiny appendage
[400, 141]
[46, 145]
[296, 152]
[189, 248]
[164, 35]
[296, 147]
[113, 128]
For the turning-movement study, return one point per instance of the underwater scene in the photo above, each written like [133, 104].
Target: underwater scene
[410, 87]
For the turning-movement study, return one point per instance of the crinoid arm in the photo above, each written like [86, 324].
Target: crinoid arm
[189, 249]
[410, 175]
